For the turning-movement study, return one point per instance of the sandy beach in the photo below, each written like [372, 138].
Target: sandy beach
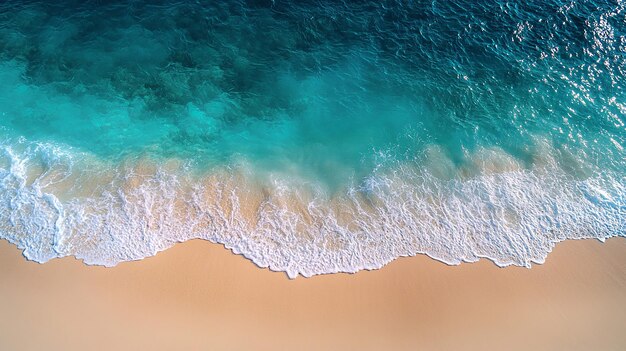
[200, 296]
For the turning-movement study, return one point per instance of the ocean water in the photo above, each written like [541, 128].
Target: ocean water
[312, 137]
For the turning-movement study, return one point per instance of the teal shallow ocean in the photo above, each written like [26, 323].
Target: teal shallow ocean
[312, 136]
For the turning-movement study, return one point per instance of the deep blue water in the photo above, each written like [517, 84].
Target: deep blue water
[467, 128]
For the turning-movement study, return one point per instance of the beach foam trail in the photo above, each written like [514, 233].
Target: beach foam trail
[311, 137]
[507, 214]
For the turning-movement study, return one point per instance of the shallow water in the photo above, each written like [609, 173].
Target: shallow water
[312, 137]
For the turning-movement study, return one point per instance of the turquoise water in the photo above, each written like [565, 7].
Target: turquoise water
[341, 135]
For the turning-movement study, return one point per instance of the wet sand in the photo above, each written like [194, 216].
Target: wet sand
[199, 296]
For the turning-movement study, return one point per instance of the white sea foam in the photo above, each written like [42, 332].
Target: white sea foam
[57, 202]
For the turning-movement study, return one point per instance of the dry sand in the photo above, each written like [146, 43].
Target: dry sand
[199, 296]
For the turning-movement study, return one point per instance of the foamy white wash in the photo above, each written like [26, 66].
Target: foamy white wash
[56, 201]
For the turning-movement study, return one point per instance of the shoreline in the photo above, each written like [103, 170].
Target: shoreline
[232, 251]
[197, 295]
[145, 209]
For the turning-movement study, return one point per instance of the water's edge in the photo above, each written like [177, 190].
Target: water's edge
[382, 265]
